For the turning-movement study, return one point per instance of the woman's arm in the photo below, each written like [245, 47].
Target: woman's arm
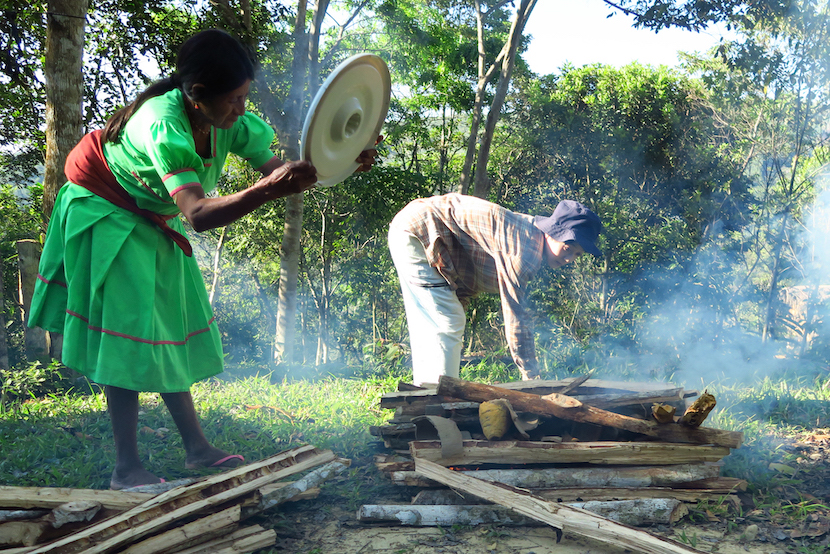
[279, 179]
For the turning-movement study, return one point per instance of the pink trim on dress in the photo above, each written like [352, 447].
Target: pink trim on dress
[146, 186]
[184, 186]
[48, 282]
[182, 170]
[138, 339]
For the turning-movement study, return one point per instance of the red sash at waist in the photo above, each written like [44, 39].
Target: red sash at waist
[87, 167]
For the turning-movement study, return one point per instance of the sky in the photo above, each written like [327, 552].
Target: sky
[579, 32]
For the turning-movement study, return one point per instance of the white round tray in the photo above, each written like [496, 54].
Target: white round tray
[345, 117]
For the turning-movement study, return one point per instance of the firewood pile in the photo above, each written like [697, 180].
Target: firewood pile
[206, 515]
[581, 453]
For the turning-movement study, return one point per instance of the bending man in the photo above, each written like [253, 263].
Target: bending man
[449, 248]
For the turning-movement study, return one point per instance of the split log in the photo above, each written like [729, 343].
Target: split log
[52, 497]
[637, 513]
[606, 401]
[443, 516]
[601, 476]
[476, 453]
[195, 532]
[18, 515]
[591, 386]
[684, 475]
[565, 407]
[26, 533]
[275, 496]
[160, 511]
[579, 494]
[569, 519]
[247, 539]
[72, 512]
[698, 411]
[611, 493]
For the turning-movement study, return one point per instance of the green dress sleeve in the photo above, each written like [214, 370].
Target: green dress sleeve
[252, 140]
[171, 151]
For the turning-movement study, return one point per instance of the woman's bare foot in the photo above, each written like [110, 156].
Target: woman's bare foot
[212, 458]
[132, 478]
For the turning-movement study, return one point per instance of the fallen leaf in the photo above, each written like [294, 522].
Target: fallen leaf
[783, 468]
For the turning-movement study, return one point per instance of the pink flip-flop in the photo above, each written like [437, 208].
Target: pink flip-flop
[218, 463]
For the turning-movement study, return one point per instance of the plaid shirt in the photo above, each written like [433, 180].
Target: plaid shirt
[478, 246]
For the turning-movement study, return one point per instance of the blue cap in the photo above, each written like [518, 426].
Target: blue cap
[572, 221]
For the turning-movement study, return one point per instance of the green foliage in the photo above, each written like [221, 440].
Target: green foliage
[32, 381]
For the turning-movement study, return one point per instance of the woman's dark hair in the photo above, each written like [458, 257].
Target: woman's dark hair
[212, 58]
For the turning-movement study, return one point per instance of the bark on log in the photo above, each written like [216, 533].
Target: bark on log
[603, 452]
[570, 520]
[577, 494]
[443, 516]
[20, 515]
[72, 512]
[565, 407]
[159, 511]
[684, 475]
[637, 513]
[698, 411]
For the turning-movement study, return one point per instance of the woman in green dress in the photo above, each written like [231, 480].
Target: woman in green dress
[117, 277]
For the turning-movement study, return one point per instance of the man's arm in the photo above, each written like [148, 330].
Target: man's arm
[518, 326]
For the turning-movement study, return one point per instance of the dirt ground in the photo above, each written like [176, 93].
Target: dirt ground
[328, 525]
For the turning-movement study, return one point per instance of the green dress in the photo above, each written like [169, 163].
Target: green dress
[131, 306]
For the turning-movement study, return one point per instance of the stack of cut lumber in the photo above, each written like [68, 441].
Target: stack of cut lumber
[578, 444]
[196, 516]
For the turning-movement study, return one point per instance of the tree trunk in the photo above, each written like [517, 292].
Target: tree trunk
[63, 73]
[290, 249]
[36, 342]
[217, 258]
[4, 345]
[482, 181]
[483, 78]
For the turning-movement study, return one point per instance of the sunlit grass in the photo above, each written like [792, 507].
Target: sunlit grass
[66, 440]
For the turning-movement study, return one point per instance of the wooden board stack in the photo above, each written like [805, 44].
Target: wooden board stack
[195, 516]
[583, 443]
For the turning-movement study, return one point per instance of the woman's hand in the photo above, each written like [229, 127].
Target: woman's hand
[288, 178]
[366, 159]
[279, 180]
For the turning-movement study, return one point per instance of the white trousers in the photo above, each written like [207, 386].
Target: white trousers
[434, 314]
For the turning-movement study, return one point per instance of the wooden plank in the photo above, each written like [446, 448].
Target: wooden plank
[567, 518]
[246, 535]
[565, 407]
[599, 386]
[638, 512]
[477, 453]
[52, 497]
[188, 534]
[161, 510]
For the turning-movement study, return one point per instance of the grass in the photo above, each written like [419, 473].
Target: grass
[64, 439]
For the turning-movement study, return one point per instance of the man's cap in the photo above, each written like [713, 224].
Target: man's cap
[572, 221]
